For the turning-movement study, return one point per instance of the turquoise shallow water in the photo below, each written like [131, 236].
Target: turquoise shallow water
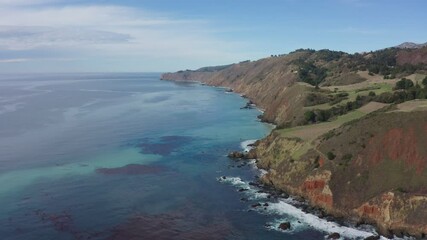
[127, 156]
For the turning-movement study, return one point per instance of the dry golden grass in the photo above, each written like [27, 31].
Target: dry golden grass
[416, 77]
[411, 106]
[311, 132]
[371, 107]
[370, 82]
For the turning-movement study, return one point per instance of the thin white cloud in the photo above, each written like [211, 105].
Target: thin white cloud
[82, 16]
[14, 60]
[22, 38]
[8, 3]
[21, 60]
[109, 31]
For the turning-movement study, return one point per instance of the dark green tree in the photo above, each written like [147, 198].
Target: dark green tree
[309, 116]
[331, 155]
[404, 84]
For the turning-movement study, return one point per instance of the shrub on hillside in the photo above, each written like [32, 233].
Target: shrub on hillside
[309, 116]
[404, 84]
[330, 155]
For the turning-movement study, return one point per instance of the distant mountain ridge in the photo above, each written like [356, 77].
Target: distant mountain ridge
[411, 45]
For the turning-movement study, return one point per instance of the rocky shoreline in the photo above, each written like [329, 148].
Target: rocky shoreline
[274, 194]
[310, 176]
[268, 186]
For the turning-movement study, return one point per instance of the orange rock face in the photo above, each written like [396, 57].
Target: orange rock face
[370, 211]
[317, 189]
[313, 185]
[324, 200]
[321, 162]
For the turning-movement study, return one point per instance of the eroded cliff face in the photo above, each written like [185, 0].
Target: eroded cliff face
[305, 176]
[397, 213]
[378, 174]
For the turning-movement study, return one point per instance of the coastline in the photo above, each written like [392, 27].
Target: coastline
[335, 145]
[331, 224]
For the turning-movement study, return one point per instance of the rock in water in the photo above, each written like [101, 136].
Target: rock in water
[249, 105]
[334, 236]
[285, 226]
[256, 205]
[373, 238]
[236, 155]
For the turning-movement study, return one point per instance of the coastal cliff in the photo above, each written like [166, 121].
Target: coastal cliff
[348, 140]
[376, 175]
[253, 79]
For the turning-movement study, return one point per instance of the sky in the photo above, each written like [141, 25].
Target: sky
[170, 35]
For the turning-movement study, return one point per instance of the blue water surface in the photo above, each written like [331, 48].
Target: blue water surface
[125, 156]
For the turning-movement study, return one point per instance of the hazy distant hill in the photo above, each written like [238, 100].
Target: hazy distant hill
[411, 45]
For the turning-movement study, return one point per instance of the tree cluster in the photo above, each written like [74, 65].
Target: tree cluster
[308, 72]
[328, 55]
[405, 90]
[323, 115]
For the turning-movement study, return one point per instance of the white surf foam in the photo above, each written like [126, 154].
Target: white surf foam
[245, 145]
[299, 219]
[262, 171]
[235, 181]
[251, 192]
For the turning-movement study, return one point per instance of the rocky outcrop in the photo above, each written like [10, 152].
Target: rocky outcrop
[285, 226]
[317, 190]
[395, 213]
[236, 155]
[334, 236]
[242, 155]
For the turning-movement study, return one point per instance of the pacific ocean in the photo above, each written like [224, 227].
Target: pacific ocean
[127, 156]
